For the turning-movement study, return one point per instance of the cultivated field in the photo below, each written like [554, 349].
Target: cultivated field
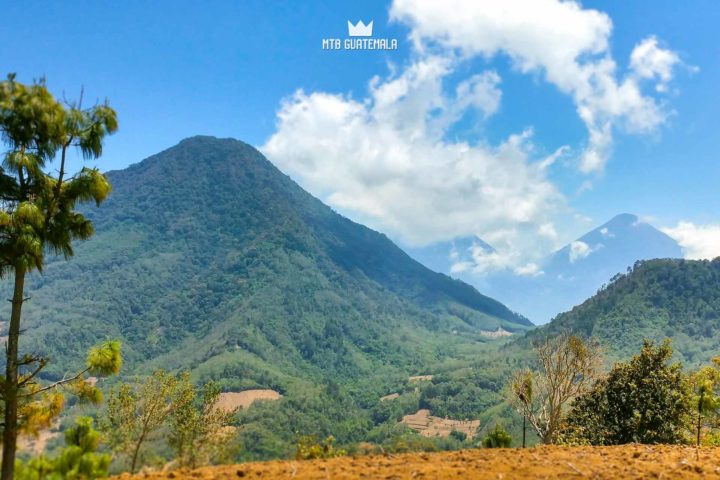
[430, 426]
[625, 462]
[232, 400]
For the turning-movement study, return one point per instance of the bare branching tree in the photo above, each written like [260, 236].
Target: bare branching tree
[568, 365]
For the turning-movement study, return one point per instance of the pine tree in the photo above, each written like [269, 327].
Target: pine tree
[38, 214]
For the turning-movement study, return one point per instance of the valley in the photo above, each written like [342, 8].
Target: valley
[231, 249]
[254, 284]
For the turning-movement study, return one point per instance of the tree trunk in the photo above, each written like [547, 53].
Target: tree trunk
[10, 432]
[524, 430]
[699, 416]
[136, 452]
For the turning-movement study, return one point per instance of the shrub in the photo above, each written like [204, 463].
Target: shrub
[497, 438]
[308, 448]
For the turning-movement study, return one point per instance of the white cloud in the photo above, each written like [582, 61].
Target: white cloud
[652, 62]
[579, 250]
[529, 270]
[566, 43]
[385, 159]
[606, 233]
[548, 230]
[697, 241]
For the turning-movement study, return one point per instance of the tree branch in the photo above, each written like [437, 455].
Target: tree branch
[59, 383]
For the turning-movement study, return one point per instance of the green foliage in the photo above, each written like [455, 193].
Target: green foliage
[105, 359]
[201, 432]
[308, 448]
[78, 460]
[644, 400]
[497, 438]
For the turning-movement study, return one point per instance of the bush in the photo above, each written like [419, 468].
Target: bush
[459, 436]
[644, 400]
[308, 448]
[497, 438]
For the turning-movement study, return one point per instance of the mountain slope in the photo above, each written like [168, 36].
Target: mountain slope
[207, 257]
[657, 299]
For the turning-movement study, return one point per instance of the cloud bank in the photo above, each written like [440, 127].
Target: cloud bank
[697, 241]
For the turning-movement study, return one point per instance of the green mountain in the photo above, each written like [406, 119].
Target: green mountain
[207, 257]
[656, 299]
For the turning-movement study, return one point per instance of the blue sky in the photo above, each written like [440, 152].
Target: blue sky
[181, 68]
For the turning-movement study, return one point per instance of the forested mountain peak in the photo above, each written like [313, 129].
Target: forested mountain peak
[208, 257]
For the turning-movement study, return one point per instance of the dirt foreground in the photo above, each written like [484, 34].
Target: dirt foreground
[630, 461]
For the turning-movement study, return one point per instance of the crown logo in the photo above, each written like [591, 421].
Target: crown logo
[360, 30]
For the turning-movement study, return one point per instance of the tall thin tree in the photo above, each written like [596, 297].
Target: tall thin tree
[38, 210]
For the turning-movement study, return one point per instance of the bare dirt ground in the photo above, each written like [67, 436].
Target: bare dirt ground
[625, 462]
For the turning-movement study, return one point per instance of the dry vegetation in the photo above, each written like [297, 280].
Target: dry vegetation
[623, 462]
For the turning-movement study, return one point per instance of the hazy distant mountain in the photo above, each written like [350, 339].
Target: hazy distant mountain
[578, 270]
[441, 256]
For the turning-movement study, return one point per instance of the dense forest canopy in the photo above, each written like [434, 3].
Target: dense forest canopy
[656, 299]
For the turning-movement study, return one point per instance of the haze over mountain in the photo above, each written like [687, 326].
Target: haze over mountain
[569, 275]
[207, 257]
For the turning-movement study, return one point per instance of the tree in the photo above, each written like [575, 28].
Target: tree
[644, 400]
[78, 460]
[568, 366]
[136, 412]
[201, 434]
[705, 384]
[497, 438]
[38, 211]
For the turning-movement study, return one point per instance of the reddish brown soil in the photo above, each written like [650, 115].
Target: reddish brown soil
[631, 461]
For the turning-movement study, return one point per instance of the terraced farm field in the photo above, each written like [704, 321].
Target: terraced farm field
[623, 462]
